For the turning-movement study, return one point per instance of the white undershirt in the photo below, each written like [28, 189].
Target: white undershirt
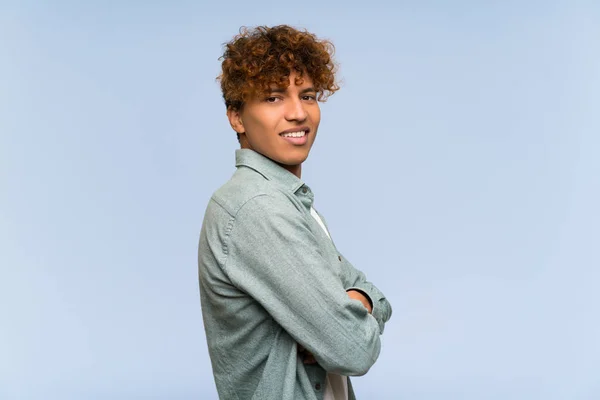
[337, 385]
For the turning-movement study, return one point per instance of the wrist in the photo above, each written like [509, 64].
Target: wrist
[361, 296]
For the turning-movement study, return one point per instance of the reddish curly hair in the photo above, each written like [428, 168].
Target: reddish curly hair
[264, 56]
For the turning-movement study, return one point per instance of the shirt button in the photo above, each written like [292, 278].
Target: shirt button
[340, 258]
[304, 190]
[318, 386]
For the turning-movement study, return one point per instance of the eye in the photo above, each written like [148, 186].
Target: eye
[272, 99]
[309, 97]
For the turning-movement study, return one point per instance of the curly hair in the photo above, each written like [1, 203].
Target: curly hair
[264, 56]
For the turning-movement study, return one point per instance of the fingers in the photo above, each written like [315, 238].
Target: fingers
[309, 359]
[306, 356]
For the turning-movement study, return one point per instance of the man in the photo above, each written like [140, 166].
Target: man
[286, 315]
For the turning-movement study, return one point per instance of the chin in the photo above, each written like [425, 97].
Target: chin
[295, 159]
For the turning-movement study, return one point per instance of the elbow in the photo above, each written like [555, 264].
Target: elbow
[359, 367]
[356, 360]
[352, 347]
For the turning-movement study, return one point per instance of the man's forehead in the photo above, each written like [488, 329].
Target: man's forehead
[303, 84]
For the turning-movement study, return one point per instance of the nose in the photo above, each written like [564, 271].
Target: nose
[295, 110]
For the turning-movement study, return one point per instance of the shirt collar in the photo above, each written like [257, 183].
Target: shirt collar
[267, 168]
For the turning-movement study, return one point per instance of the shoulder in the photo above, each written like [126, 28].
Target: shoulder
[246, 193]
[249, 191]
[250, 206]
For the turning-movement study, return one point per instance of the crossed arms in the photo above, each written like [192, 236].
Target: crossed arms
[320, 299]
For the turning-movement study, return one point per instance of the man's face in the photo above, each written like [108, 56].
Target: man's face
[281, 125]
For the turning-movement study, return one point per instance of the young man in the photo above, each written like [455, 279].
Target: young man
[286, 315]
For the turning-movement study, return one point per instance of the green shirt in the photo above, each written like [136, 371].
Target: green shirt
[271, 279]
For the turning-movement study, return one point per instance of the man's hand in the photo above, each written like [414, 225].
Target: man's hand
[356, 295]
[307, 356]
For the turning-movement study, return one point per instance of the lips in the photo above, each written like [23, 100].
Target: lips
[296, 136]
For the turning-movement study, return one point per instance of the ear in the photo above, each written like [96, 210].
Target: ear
[235, 120]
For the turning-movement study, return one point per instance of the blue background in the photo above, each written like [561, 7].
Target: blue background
[476, 124]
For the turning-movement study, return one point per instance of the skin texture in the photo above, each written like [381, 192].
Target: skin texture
[262, 119]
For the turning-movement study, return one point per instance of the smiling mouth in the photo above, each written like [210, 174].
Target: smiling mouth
[299, 132]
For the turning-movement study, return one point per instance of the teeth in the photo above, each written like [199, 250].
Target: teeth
[294, 134]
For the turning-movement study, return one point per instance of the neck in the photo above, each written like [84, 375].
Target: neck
[294, 169]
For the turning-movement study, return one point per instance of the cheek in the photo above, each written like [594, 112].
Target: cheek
[316, 118]
[316, 114]
[263, 123]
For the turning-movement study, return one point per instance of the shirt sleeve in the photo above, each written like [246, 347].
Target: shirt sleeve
[274, 257]
[355, 279]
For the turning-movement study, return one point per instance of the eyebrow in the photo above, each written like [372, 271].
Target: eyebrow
[281, 90]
